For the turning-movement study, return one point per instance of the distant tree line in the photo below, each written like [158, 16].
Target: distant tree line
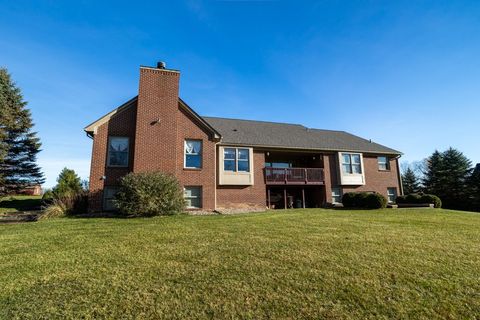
[449, 175]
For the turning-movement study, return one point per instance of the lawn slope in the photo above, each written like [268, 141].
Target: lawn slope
[286, 264]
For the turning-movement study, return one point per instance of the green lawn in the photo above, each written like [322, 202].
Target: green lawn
[19, 203]
[284, 264]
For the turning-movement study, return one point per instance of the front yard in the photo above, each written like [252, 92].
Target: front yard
[310, 263]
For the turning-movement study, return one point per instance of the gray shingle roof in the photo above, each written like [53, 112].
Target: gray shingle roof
[285, 135]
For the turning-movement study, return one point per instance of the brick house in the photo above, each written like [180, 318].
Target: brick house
[230, 163]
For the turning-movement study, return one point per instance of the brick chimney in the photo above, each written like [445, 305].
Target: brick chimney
[156, 127]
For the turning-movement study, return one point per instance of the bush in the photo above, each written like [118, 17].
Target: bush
[66, 205]
[413, 198]
[375, 201]
[149, 194]
[348, 200]
[364, 200]
[431, 198]
[420, 198]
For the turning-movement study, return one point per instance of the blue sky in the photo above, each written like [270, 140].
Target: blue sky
[402, 73]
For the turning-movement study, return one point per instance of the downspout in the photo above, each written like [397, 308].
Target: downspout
[399, 176]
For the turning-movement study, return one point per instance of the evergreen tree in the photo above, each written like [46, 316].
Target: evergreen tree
[446, 176]
[68, 184]
[474, 188]
[19, 146]
[410, 182]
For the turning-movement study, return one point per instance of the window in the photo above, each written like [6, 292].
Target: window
[193, 197]
[118, 152]
[193, 154]
[383, 163]
[392, 194]
[351, 163]
[229, 159]
[236, 160]
[108, 197]
[336, 195]
[244, 160]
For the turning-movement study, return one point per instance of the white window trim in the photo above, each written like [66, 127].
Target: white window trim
[194, 197]
[237, 160]
[185, 154]
[351, 154]
[108, 152]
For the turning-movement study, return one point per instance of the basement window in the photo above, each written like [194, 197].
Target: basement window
[109, 194]
[336, 195]
[392, 194]
[193, 197]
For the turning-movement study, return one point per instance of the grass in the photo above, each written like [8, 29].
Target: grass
[19, 203]
[310, 263]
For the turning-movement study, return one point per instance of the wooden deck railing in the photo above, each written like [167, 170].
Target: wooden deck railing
[294, 176]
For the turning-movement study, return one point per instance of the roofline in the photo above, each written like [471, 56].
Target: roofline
[216, 134]
[396, 153]
[91, 129]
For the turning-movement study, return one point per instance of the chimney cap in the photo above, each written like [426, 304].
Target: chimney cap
[161, 65]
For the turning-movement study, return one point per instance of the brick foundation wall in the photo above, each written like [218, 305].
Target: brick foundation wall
[254, 196]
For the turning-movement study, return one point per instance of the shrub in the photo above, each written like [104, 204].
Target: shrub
[420, 198]
[149, 194]
[401, 199]
[47, 197]
[348, 200]
[67, 205]
[375, 201]
[413, 198]
[364, 200]
[431, 198]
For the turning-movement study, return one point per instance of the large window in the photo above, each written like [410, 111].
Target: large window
[193, 197]
[351, 163]
[336, 195]
[392, 194]
[118, 151]
[236, 159]
[108, 197]
[383, 163]
[193, 154]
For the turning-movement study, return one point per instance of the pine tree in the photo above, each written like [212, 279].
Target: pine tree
[19, 146]
[474, 188]
[446, 176]
[68, 184]
[410, 182]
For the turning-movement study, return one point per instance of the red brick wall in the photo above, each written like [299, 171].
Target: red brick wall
[205, 177]
[160, 146]
[375, 180]
[246, 196]
[157, 100]
[121, 124]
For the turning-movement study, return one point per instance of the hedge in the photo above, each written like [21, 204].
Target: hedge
[364, 200]
[415, 198]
